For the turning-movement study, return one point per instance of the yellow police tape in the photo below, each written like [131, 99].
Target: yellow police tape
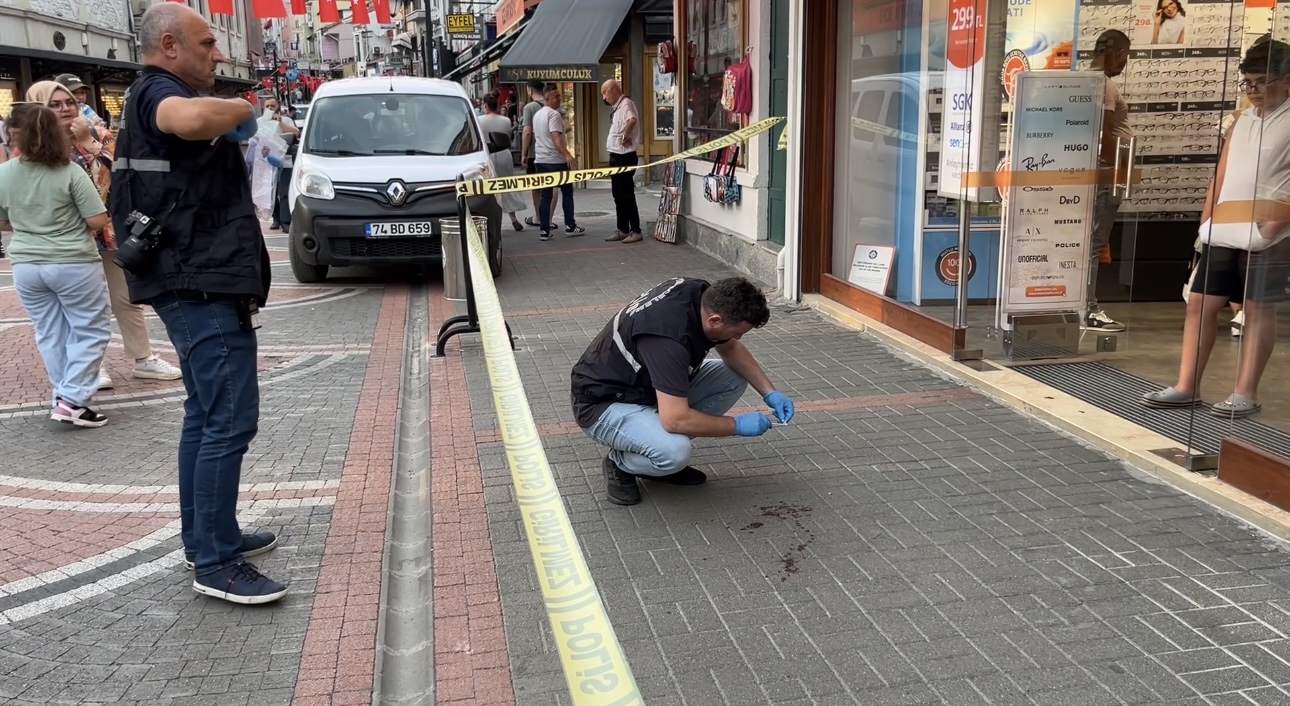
[593, 660]
[529, 182]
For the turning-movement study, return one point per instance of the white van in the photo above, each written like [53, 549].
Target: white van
[375, 173]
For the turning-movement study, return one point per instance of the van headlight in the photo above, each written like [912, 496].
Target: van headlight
[317, 186]
[483, 170]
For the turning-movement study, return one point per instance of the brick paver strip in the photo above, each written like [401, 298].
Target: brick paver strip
[338, 660]
[472, 665]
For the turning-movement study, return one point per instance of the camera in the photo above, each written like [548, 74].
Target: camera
[137, 252]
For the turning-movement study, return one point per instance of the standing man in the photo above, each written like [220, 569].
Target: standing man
[207, 273]
[551, 155]
[1110, 55]
[537, 96]
[624, 140]
[644, 389]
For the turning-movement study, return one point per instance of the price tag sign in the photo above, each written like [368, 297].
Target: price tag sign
[968, 137]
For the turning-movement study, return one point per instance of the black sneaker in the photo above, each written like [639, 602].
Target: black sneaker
[68, 413]
[544, 235]
[574, 231]
[686, 476]
[240, 583]
[252, 545]
[622, 488]
[1099, 321]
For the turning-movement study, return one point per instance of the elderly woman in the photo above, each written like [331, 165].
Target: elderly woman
[92, 151]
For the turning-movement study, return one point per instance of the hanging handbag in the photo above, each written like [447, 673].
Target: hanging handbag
[720, 186]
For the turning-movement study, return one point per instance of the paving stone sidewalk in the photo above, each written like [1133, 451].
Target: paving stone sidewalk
[905, 541]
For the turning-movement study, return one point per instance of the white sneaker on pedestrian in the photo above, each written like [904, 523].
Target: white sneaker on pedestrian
[105, 380]
[1238, 323]
[154, 368]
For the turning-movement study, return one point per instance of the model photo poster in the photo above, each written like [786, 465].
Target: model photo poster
[970, 115]
[1057, 121]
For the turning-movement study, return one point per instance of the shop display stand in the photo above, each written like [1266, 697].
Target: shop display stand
[669, 203]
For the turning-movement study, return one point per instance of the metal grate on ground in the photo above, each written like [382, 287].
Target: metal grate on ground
[1118, 393]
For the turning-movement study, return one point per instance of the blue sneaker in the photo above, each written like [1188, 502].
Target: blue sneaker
[252, 545]
[240, 583]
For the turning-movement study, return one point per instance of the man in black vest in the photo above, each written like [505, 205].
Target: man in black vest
[644, 389]
[206, 273]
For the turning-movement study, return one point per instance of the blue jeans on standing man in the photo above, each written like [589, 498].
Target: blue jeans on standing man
[636, 438]
[221, 415]
[566, 200]
[68, 306]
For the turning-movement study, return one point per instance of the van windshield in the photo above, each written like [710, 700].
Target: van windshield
[391, 123]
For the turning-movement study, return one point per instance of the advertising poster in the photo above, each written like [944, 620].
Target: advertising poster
[1041, 36]
[969, 116]
[1056, 123]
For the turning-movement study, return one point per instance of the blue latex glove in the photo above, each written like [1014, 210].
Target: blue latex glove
[752, 424]
[243, 132]
[274, 161]
[780, 405]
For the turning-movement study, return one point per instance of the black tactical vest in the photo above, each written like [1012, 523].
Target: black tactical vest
[211, 242]
[609, 371]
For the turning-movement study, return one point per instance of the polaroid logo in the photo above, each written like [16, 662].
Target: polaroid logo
[1076, 122]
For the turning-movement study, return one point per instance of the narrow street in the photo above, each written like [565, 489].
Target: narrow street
[906, 540]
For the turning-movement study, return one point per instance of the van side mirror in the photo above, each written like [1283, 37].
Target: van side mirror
[498, 142]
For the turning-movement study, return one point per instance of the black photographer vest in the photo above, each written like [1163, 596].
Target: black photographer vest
[211, 242]
[609, 370]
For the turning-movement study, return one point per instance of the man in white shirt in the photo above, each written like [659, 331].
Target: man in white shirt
[551, 155]
[624, 140]
[1110, 55]
[1245, 254]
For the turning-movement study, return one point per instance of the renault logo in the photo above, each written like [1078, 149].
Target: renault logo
[396, 192]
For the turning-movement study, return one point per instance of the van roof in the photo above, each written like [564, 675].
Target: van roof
[368, 85]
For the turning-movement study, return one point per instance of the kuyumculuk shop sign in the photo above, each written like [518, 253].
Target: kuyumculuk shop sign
[1057, 120]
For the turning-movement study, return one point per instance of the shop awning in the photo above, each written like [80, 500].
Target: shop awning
[46, 64]
[564, 41]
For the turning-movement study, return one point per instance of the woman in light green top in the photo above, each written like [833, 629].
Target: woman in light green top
[52, 208]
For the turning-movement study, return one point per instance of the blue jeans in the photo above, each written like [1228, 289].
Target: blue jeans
[68, 306]
[221, 414]
[566, 192]
[636, 439]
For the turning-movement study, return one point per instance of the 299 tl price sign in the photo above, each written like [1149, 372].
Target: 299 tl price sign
[965, 77]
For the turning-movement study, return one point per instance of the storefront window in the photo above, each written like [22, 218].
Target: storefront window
[664, 102]
[716, 41]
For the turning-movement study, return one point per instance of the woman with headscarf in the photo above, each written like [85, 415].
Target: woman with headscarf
[53, 209]
[91, 149]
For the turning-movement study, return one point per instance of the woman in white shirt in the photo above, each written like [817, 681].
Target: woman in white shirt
[1170, 21]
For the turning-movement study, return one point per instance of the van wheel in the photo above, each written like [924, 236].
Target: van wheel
[495, 259]
[304, 272]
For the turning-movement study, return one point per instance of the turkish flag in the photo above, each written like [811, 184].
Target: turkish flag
[298, 7]
[359, 8]
[222, 7]
[327, 12]
[382, 8]
[268, 9]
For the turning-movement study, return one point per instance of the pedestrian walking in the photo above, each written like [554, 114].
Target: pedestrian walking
[92, 149]
[624, 139]
[52, 208]
[511, 202]
[205, 270]
[644, 387]
[551, 155]
[537, 101]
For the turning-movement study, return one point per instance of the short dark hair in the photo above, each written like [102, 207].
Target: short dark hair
[41, 137]
[1271, 57]
[490, 102]
[737, 301]
[1110, 39]
[537, 85]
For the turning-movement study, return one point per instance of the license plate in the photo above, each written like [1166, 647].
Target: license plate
[399, 229]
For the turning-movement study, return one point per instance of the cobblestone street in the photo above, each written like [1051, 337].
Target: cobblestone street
[906, 540]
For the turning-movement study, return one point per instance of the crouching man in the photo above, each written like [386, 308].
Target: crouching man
[644, 387]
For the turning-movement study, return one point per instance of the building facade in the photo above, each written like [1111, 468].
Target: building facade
[949, 162]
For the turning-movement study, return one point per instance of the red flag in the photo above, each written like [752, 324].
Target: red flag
[359, 8]
[222, 7]
[298, 7]
[327, 12]
[382, 8]
[268, 9]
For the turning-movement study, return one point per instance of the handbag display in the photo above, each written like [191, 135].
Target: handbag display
[720, 186]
